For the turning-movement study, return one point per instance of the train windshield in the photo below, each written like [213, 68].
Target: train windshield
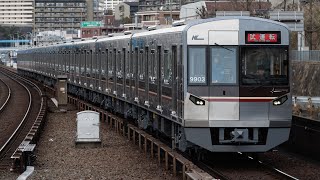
[264, 66]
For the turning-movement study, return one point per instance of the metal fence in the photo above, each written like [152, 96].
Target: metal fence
[313, 55]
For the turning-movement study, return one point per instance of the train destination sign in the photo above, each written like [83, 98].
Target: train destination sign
[263, 38]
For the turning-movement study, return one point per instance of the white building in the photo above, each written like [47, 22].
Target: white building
[111, 4]
[16, 12]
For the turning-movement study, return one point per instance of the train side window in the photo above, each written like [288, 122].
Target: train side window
[223, 65]
[82, 62]
[114, 62]
[197, 65]
[126, 57]
[135, 62]
[119, 64]
[167, 67]
[141, 65]
[110, 67]
[146, 62]
[153, 66]
[107, 63]
[102, 63]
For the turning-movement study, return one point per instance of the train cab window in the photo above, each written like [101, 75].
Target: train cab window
[223, 65]
[197, 65]
[264, 66]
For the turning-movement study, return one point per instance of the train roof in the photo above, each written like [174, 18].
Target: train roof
[162, 31]
[192, 23]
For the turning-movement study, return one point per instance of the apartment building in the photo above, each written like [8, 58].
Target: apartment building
[16, 12]
[159, 5]
[111, 4]
[126, 10]
[62, 14]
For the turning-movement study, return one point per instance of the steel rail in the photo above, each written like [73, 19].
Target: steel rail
[286, 175]
[9, 96]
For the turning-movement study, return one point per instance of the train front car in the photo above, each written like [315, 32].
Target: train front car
[238, 87]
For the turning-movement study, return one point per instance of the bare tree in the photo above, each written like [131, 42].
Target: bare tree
[312, 24]
[202, 12]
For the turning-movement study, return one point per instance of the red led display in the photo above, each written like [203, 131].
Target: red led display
[263, 38]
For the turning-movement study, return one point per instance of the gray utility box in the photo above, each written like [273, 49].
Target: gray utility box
[61, 92]
[88, 129]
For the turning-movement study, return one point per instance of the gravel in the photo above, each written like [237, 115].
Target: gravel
[58, 158]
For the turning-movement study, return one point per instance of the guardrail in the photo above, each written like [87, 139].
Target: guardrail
[313, 55]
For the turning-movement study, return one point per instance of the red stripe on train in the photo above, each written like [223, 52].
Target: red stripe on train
[239, 100]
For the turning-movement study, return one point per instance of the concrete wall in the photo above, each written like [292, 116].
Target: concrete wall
[306, 78]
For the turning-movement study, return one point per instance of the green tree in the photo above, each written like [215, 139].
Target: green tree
[6, 31]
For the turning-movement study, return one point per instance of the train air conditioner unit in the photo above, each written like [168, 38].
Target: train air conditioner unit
[178, 23]
[151, 28]
[127, 32]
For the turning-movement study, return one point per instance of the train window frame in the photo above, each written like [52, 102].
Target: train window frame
[188, 66]
[241, 49]
[236, 55]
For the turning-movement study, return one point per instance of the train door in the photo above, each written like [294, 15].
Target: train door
[98, 71]
[174, 79]
[223, 77]
[195, 109]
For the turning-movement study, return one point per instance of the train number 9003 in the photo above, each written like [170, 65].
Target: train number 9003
[197, 79]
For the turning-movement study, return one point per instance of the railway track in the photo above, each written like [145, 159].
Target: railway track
[242, 166]
[18, 119]
[250, 168]
[257, 168]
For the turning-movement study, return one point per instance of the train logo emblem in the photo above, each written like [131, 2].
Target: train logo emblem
[196, 37]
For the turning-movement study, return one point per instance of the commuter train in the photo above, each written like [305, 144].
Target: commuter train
[220, 84]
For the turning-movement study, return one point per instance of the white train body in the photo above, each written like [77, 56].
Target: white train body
[219, 84]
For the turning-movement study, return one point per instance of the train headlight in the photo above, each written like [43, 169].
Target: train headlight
[197, 101]
[280, 100]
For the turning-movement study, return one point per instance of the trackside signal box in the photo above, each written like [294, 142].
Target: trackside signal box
[61, 90]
